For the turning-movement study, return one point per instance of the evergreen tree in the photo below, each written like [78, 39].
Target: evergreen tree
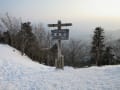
[26, 40]
[97, 51]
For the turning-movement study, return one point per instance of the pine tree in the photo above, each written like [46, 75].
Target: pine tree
[97, 51]
[26, 39]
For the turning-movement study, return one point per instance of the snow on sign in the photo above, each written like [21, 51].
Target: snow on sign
[62, 34]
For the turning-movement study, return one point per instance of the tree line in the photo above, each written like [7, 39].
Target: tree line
[35, 42]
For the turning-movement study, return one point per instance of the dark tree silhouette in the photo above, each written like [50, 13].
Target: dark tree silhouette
[97, 51]
[26, 39]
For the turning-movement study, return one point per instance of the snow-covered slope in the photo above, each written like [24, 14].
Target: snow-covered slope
[20, 73]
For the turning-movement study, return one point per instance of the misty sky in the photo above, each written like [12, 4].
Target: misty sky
[84, 14]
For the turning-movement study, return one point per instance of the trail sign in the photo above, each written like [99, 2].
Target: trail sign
[62, 34]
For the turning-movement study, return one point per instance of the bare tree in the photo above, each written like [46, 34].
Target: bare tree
[75, 51]
[43, 37]
[116, 50]
[12, 25]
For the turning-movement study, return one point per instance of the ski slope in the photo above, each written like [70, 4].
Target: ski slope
[20, 73]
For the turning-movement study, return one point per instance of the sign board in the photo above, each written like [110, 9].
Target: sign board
[62, 34]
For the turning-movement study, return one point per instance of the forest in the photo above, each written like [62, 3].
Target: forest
[35, 41]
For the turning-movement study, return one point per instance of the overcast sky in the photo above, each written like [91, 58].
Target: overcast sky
[84, 14]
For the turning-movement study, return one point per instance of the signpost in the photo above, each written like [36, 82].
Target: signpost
[60, 34]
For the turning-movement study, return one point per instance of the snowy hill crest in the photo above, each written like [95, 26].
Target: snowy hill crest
[20, 73]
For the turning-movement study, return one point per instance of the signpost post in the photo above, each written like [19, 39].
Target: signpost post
[60, 34]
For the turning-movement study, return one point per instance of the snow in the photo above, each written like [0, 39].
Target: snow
[21, 73]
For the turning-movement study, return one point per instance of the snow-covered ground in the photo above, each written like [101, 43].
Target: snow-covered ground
[20, 73]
